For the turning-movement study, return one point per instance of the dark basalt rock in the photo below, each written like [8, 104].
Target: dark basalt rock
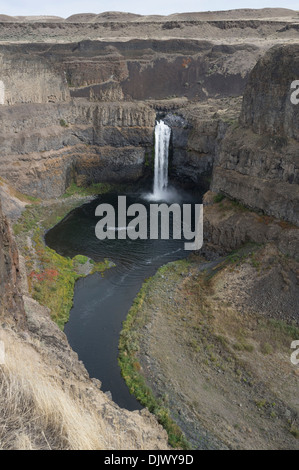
[258, 160]
[267, 106]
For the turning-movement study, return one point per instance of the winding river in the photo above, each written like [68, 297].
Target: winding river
[101, 303]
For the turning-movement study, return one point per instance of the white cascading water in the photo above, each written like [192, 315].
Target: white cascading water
[162, 139]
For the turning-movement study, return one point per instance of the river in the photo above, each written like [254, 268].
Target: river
[101, 303]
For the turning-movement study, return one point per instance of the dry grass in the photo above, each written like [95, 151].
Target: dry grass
[35, 411]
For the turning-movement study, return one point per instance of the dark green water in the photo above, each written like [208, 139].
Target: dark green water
[102, 303]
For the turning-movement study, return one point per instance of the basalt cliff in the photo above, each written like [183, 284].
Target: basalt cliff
[258, 160]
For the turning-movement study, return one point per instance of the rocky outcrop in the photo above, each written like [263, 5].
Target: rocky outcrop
[192, 150]
[258, 159]
[45, 147]
[267, 107]
[228, 226]
[11, 303]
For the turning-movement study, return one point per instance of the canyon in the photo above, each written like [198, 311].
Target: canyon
[79, 99]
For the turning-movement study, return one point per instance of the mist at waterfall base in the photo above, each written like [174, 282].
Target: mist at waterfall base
[101, 303]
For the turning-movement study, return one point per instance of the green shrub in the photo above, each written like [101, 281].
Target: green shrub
[81, 259]
[93, 189]
[219, 197]
[63, 123]
[266, 349]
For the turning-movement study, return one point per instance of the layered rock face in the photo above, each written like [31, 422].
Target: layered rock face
[45, 147]
[258, 160]
[227, 227]
[138, 69]
[29, 79]
[95, 135]
[100, 100]
[86, 110]
[197, 130]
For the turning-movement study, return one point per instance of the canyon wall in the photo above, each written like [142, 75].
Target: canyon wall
[86, 112]
[11, 302]
[69, 117]
[45, 147]
[258, 159]
[194, 144]
[267, 107]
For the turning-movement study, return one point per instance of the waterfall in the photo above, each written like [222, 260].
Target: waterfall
[162, 139]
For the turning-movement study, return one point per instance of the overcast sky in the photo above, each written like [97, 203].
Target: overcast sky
[66, 8]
